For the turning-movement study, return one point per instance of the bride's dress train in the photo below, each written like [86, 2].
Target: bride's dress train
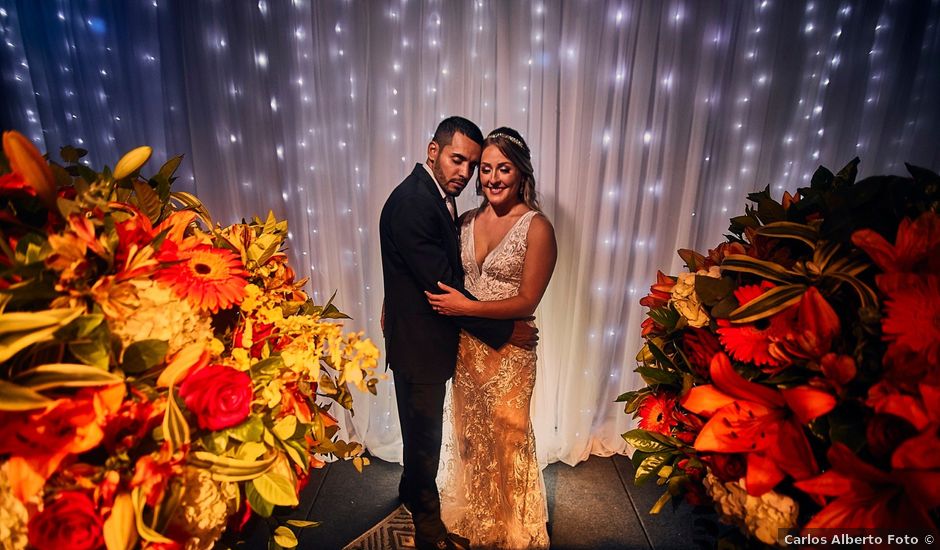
[491, 486]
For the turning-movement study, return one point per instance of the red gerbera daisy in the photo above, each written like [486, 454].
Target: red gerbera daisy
[210, 278]
[751, 342]
[656, 413]
[912, 317]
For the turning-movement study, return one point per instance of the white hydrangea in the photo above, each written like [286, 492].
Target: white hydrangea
[686, 302]
[759, 517]
[205, 506]
[161, 315]
[13, 518]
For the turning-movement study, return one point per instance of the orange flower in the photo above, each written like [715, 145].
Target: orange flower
[867, 497]
[656, 413]
[153, 472]
[660, 292]
[763, 422]
[38, 441]
[27, 161]
[810, 328]
[210, 278]
[659, 296]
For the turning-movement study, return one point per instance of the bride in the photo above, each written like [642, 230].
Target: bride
[491, 486]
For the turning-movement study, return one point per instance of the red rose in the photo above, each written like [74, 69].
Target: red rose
[699, 346]
[727, 467]
[218, 395]
[70, 521]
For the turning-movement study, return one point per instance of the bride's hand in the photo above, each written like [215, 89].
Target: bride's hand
[451, 302]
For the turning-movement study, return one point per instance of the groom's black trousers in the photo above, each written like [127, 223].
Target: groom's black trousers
[421, 413]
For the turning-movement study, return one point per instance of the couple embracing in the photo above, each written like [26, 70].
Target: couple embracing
[459, 297]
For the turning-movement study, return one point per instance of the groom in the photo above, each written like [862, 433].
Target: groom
[420, 246]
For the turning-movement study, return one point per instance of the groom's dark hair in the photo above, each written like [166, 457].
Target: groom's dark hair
[450, 125]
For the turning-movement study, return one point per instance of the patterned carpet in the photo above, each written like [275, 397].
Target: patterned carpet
[392, 533]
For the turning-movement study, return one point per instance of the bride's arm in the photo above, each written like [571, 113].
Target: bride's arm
[541, 253]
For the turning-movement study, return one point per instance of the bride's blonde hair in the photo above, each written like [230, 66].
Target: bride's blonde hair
[513, 147]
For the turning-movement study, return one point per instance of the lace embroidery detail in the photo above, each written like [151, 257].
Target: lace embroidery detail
[491, 486]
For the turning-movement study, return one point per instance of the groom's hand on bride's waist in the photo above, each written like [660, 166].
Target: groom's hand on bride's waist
[523, 334]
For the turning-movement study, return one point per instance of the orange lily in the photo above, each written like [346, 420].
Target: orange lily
[39, 442]
[867, 497]
[28, 162]
[763, 422]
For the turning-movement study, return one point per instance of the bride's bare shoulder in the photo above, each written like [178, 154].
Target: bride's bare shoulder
[541, 229]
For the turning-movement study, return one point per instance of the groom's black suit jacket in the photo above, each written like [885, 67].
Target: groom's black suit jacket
[420, 246]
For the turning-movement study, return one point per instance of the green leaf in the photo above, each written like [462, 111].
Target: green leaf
[653, 375]
[227, 468]
[144, 354]
[250, 430]
[650, 466]
[330, 311]
[303, 523]
[276, 489]
[769, 303]
[286, 428]
[297, 452]
[175, 427]
[693, 260]
[258, 504]
[94, 348]
[146, 532]
[660, 355]
[822, 179]
[66, 207]
[740, 223]
[284, 537]
[217, 442]
[20, 330]
[866, 295]
[790, 230]
[266, 368]
[711, 290]
[169, 167]
[80, 327]
[251, 450]
[723, 309]
[659, 504]
[65, 375]
[665, 317]
[18, 398]
[742, 263]
[642, 441]
[148, 201]
[847, 175]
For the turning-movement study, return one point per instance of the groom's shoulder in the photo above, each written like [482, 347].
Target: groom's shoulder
[411, 189]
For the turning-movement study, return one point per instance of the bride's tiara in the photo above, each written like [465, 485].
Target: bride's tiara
[515, 140]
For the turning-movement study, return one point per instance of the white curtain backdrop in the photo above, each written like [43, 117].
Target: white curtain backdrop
[649, 122]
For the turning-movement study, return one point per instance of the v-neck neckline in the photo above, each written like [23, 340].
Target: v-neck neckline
[473, 241]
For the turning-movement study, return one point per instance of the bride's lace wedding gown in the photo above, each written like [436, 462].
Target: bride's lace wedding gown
[491, 485]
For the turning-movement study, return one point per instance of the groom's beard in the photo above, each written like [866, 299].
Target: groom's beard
[442, 180]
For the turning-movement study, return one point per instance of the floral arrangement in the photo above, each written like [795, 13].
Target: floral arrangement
[793, 372]
[162, 378]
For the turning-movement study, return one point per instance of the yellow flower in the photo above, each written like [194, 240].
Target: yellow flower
[131, 162]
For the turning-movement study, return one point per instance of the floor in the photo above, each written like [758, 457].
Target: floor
[593, 505]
